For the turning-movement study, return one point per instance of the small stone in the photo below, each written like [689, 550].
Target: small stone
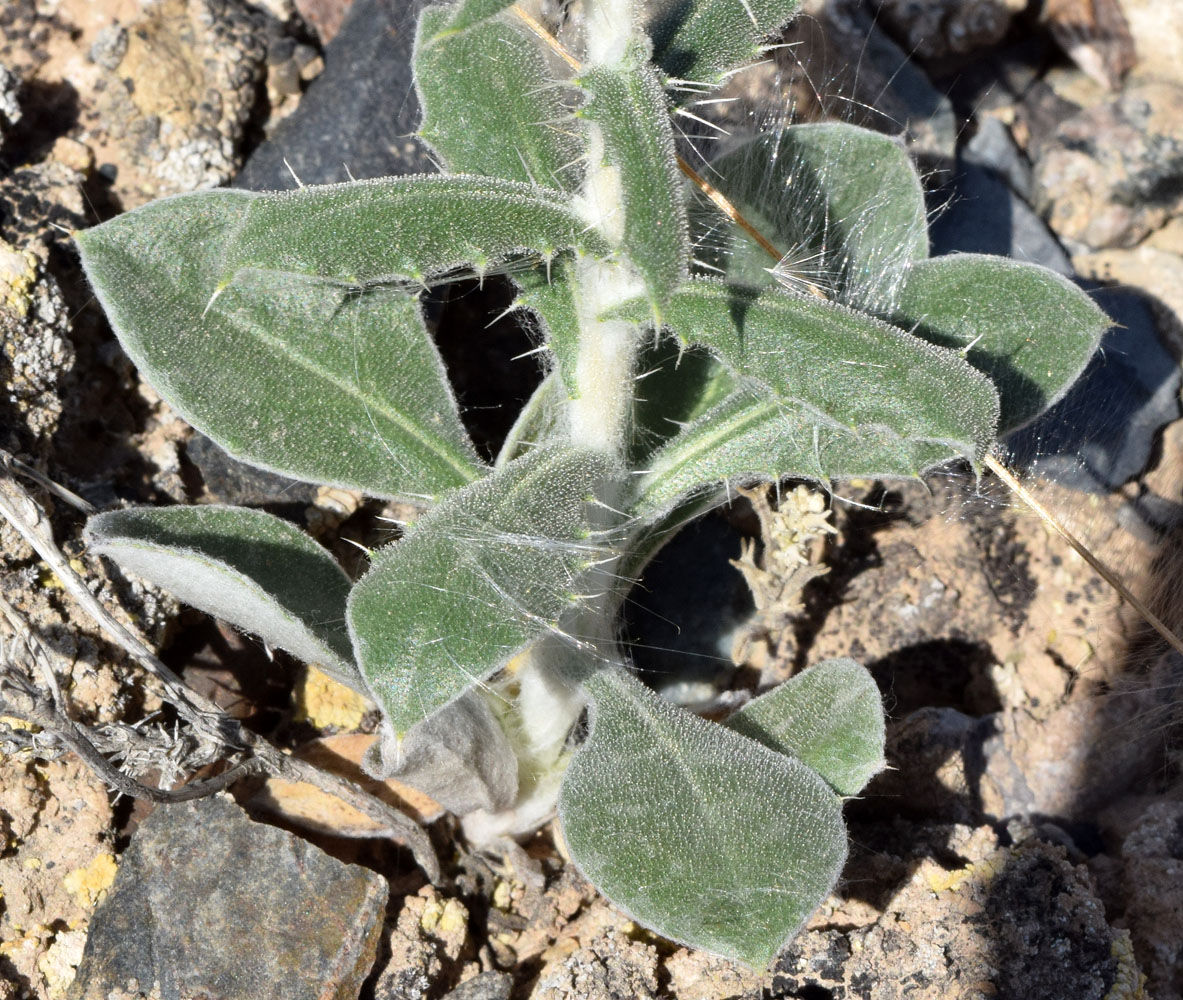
[74, 154]
[358, 117]
[10, 107]
[1157, 32]
[936, 29]
[1113, 173]
[208, 903]
[483, 986]
[608, 967]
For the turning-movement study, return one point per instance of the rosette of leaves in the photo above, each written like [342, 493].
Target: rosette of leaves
[288, 328]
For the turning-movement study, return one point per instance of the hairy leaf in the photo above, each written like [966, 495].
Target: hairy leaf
[460, 757]
[550, 294]
[842, 206]
[700, 40]
[475, 580]
[1031, 330]
[380, 230]
[630, 108]
[850, 370]
[490, 106]
[244, 566]
[829, 716]
[702, 834]
[314, 381]
[467, 14]
[751, 437]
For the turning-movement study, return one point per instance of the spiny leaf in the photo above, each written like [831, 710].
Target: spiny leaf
[1031, 330]
[465, 15]
[829, 717]
[550, 294]
[750, 437]
[479, 577]
[702, 834]
[630, 108]
[851, 370]
[700, 40]
[303, 378]
[244, 566]
[375, 231]
[842, 204]
[490, 106]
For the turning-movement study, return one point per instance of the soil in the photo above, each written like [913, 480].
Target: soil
[1026, 840]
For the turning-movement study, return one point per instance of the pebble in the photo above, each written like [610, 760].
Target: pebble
[937, 29]
[1113, 173]
[208, 903]
[10, 107]
[357, 119]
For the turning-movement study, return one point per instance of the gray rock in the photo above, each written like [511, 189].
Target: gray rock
[1113, 173]
[227, 480]
[10, 108]
[485, 986]
[209, 904]
[180, 86]
[358, 117]
[937, 29]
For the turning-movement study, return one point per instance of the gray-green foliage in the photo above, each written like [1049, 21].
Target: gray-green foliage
[288, 328]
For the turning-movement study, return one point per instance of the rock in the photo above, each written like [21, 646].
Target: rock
[1063, 767]
[207, 903]
[10, 107]
[1113, 173]
[1158, 39]
[483, 986]
[1152, 885]
[358, 117]
[607, 968]
[1158, 273]
[1095, 34]
[987, 209]
[324, 16]
[180, 86]
[1021, 922]
[56, 821]
[882, 89]
[936, 29]
[40, 204]
[1097, 448]
[37, 354]
[424, 948]
[227, 480]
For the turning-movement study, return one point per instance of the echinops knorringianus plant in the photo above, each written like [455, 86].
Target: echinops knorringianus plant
[289, 328]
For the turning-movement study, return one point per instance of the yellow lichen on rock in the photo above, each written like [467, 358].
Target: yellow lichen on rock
[18, 275]
[89, 883]
[328, 704]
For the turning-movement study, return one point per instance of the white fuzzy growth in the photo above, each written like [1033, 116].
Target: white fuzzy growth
[600, 203]
[607, 351]
[610, 26]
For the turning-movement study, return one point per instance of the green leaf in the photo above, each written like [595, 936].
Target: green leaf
[310, 380]
[842, 205]
[751, 437]
[1031, 330]
[675, 387]
[708, 837]
[701, 40]
[631, 110]
[244, 566]
[550, 294]
[489, 570]
[376, 231]
[490, 106]
[465, 15]
[850, 369]
[829, 717]
[541, 420]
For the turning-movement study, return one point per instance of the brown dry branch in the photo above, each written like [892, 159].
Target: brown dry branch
[44, 706]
